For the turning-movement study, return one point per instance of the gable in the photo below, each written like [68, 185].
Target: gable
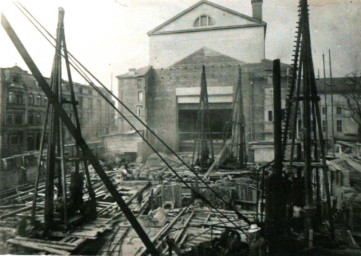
[221, 17]
[208, 56]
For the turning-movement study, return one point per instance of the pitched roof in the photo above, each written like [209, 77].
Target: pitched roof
[259, 22]
[339, 85]
[136, 73]
[206, 56]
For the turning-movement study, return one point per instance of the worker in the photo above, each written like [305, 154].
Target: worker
[23, 176]
[257, 244]
[76, 191]
[123, 172]
[140, 198]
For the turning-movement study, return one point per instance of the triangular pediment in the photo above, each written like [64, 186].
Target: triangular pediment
[221, 17]
[205, 56]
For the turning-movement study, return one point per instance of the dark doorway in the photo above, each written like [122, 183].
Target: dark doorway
[187, 123]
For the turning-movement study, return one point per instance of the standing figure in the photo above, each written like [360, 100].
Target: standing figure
[257, 244]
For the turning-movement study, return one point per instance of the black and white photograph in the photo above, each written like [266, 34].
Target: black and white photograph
[180, 127]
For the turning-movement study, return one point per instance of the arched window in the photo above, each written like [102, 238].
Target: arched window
[139, 110]
[31, 100]
[11, 98]
[204, 21]
[38, 100]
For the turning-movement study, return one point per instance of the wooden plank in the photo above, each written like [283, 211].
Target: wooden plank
[15, 212]
[180, 233]
[48, 242]
[37, 246]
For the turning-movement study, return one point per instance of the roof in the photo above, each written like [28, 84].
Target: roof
[267, 64]
[339, 85]
[17, 68]
[136, 73]
[206, 56]
[258, 22]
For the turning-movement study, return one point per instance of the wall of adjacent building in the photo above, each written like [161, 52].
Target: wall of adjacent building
[23, 135]
[344, 125]
[129, 90]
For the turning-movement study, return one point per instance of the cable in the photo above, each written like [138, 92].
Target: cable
[110, 103]
[136, 117]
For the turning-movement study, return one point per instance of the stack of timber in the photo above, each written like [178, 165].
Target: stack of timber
[17, 206]
[188, 227]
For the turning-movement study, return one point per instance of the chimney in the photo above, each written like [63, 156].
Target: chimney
[132, 71]
[257, 9]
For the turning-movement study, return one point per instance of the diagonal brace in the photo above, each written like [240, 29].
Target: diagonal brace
[77, 137]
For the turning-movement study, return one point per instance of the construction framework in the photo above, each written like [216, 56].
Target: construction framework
[203, 152]
[62, 114]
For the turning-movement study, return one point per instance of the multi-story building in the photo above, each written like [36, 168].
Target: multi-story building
[333, 105]
[165, 94]
[23, 109]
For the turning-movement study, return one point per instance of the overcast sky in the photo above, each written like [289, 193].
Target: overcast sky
[109, 36]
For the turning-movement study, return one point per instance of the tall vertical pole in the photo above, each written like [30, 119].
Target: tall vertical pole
[325, 90]
[277, 117]
[332, 108]
[53, 138]
[77, 137]
[276, 193]
[307, 77]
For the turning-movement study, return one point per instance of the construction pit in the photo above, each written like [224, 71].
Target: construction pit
[194, 203]
[168, 211]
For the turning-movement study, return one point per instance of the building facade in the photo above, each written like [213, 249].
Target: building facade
[333, 103]
[206, 24]
[23, 110]
[230, 45]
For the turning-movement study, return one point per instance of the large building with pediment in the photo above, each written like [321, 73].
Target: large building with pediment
[206, 24]
[165, 94]
[231, 46]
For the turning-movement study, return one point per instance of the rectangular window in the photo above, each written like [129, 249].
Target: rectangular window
[45, 101]
[15, 139]
[80, 101]
[324, 125]
[324, 110]
[31, 117]
[339, 125]
[19, 98]
[270, 116]
[338, 110]
[9, 118]
[90, 104]
[270, 80]
[140, 96]
[19, 117]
